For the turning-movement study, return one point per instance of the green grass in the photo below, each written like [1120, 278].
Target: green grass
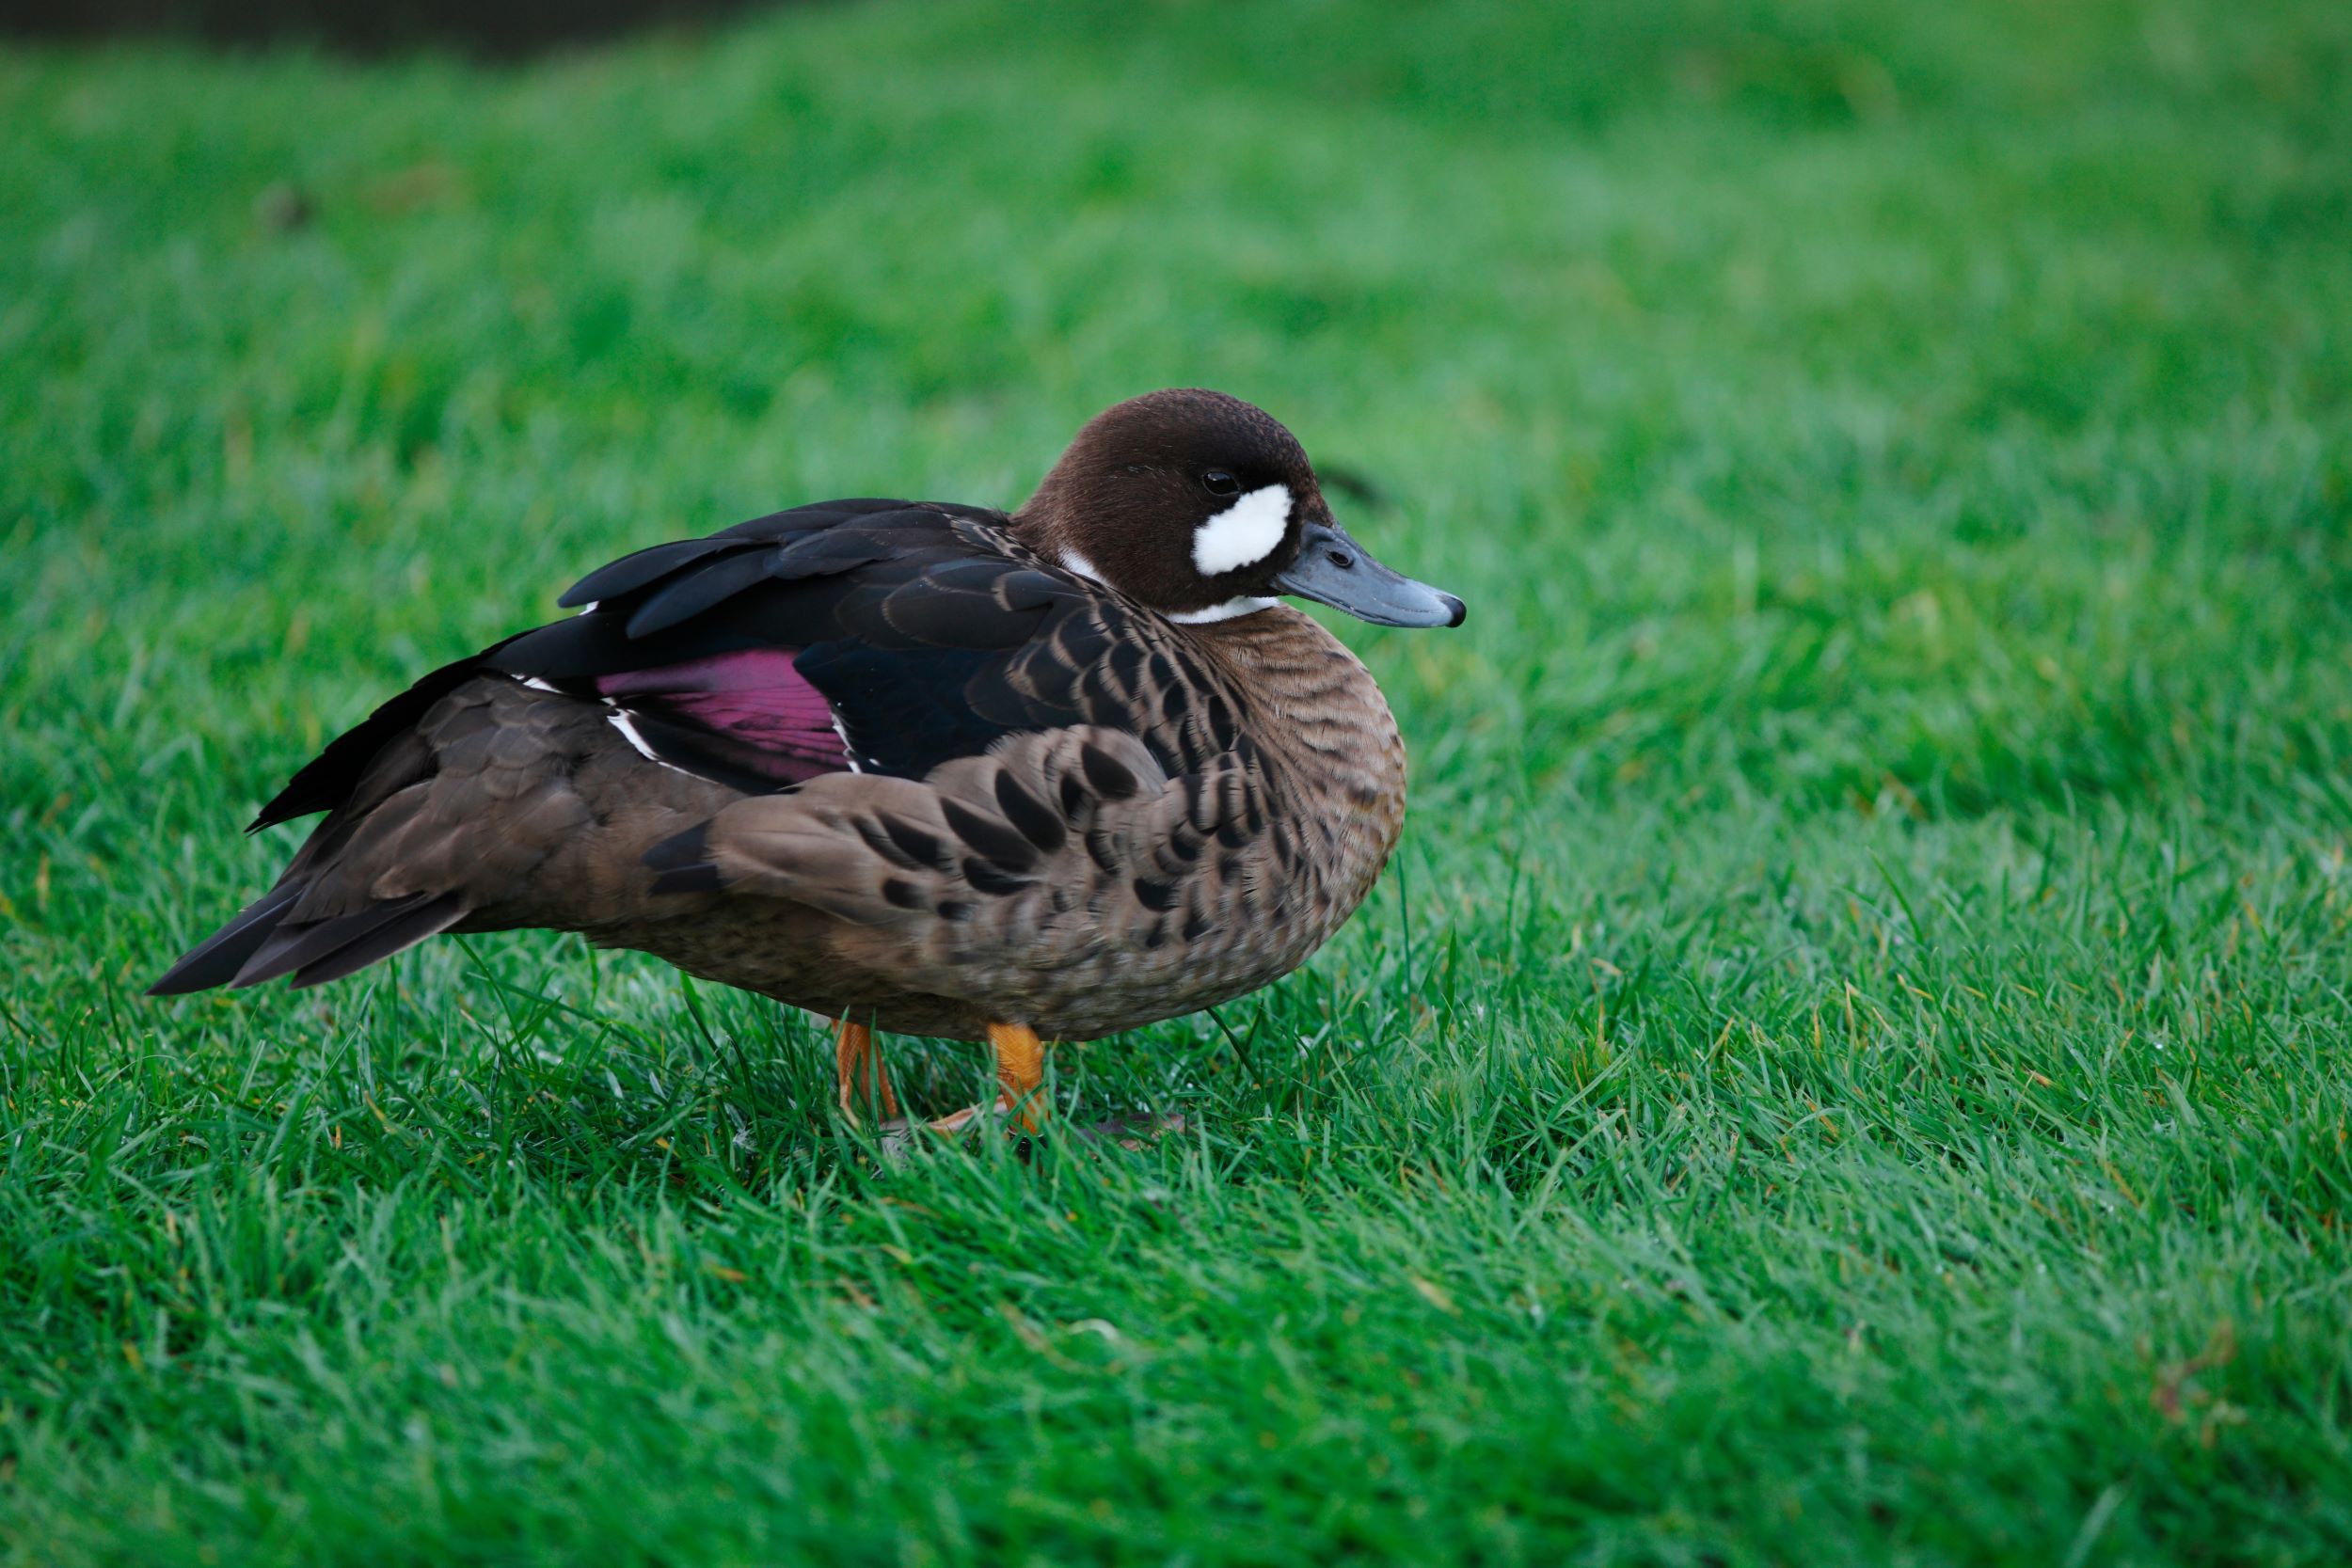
[1851, 1064]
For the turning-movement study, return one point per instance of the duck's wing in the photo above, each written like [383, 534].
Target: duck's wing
[692, 645]
[888, 640]
[867, 636]
[801, 645]
[862, 636]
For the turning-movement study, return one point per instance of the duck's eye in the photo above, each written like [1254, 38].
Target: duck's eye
[1219, 482]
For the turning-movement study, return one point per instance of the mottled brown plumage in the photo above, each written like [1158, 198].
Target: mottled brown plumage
[926, 767]
[1064, 879]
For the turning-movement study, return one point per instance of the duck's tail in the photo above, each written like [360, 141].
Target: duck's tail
[485, 803]
[264, 942]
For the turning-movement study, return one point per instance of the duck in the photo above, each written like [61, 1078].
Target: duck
[914, 766]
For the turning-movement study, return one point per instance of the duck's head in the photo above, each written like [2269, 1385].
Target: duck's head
[1205, 508]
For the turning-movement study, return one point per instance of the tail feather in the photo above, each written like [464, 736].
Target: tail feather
[323, 949]
[214, 962]
[464, 795]
[429, 918]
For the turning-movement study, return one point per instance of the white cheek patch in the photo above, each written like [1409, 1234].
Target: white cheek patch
[1243, 533]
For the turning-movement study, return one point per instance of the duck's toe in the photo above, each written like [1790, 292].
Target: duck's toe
[902, 1135]
[1131, 1132]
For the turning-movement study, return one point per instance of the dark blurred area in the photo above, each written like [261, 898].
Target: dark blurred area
[490, 27]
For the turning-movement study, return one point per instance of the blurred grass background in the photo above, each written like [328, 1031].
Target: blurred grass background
[1850, 1063]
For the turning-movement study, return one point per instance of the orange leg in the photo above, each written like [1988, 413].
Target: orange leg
[858, 1068]
[1021, 1073]
[1020, 1077]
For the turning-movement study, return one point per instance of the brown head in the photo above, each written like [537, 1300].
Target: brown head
[1204, 508]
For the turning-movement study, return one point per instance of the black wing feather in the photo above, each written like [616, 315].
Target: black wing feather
[687, 594]
[640, 569]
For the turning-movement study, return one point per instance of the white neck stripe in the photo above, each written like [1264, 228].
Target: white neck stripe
[1229, 609]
